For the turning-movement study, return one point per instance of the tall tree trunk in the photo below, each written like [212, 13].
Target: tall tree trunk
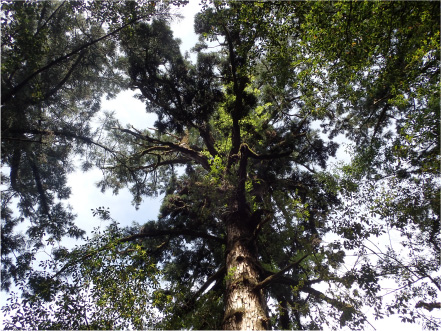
[245, 307]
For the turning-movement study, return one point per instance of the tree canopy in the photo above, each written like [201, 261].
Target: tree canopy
[57, 62]
[257, 228]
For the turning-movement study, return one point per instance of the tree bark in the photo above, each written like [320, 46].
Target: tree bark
[245, 306]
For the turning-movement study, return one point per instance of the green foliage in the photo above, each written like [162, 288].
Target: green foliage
[58, 60]
[100, 285]
[249, 124]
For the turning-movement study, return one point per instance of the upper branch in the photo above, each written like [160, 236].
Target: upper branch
[147, 234]
[278, 274]
[334, 302]
[14, 90]
[428, 305]
[209, 281]
[172, 232]
[192, 154]
[61, 133]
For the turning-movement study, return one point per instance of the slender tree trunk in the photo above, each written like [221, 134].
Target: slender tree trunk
[245, 307]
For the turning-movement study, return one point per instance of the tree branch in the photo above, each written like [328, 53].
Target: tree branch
[208, 140]
[172, 232]
[194, 155]
[49, 18]
[8, 95]
[62, 133]
[66, 77]
[254, 155]
[428, 305]
[43, 199]
[210, 280]
[347, 309]
[278, 274]
[150, 233]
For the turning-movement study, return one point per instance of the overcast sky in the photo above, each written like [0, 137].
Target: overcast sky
[85, 195]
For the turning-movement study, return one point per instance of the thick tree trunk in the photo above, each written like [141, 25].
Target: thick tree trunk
[245, 307]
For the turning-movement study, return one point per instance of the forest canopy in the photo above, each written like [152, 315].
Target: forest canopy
[258, 228]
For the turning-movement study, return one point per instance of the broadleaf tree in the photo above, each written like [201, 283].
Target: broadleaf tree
[255, 230]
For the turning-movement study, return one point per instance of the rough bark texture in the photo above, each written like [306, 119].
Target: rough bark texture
[245, 307]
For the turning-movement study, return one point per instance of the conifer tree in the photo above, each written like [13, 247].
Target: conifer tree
[255, 231]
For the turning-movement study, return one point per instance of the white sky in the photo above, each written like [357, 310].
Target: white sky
[86, 196]
[128, 110]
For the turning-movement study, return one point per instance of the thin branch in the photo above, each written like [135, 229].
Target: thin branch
[322, 297]
[22, 140]
[172, 232]
[380, 118]
[278, 274]
[304, 165]
[7, 96]
[66, 77]
[209, 281]
[254, 155]
[194, 155]
[49, 18]
[62, 133]
[404, 286]
[150, 233]
[43, 199]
